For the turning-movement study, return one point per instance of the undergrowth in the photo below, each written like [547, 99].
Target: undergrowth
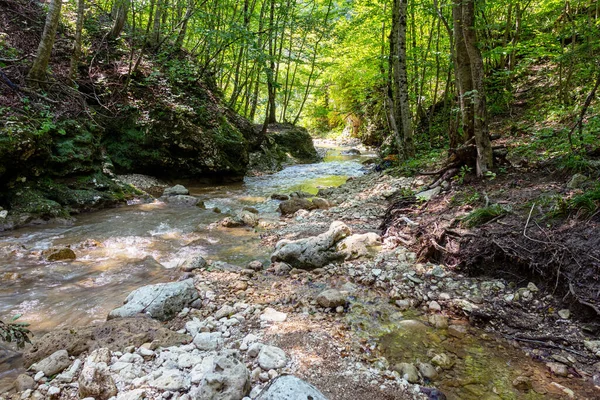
[485, 214]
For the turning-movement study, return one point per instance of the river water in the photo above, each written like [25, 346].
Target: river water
[123, 248]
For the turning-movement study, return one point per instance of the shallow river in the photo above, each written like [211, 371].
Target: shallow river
[123, 248]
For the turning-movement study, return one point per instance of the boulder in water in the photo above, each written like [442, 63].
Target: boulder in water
[183, 200]
[61, 255]
[162, 301]
[313, 252]
[289, 387]
[289, 207]
[176, 191]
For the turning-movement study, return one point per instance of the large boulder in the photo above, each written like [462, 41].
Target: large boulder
[289, 207]
[220, 376]
[162, 301]
[288, 387]
[313, 252]
[115, 335]
[53, 364]
[294, 140]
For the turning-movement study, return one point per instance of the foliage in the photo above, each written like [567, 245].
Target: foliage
[15, 332]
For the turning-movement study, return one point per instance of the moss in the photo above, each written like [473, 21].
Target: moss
[296, 141]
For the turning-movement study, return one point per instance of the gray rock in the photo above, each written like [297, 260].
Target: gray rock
[292, 205]
[564, 314]
[320, 203]
[231, 222]
[225, 311]
[427, 371]
[289, 387]
[313, 252]
[24, 382]
[408, 371]
[577, 181]
[175, 191]
[172, 380]
[183, 200]
[272, 315]
[248, 218]
[255, 265]
[282, 197]
[429, 194]
[331, 298]
[53, 364]
[359, 245]
[271, 357]
[162, 301]
[208, 340]
[135, 394]
[221, 376]
[193, 263]
[95, 379]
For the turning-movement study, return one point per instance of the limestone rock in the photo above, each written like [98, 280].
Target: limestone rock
[248, 218]
[408, 371]
[313, 252]
[359, 245]
[24, 382]
[271, 357]
[162, 301]
[331, 298]
[176, 190]
[221, 376]
[193, 263]
[208, 340]
[231, 222]
[289, 387]
[95, 380]
[429, 194]
[183, 200]
[172, 380]
[53, 364]
[272, 315]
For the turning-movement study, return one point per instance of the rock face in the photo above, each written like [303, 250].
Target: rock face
[53, 364]
[162, 301]
[313, 252]
[221, 376]
[289, 387]
[115, 335]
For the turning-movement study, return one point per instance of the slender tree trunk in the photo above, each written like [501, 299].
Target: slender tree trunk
[482, 137]
[119, 14]
[77, 43]
[44, 50]
[271, 117]
[464, 77]
[155, 36]
[184, 24]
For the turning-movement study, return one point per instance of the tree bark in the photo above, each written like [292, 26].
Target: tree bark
[482, 137]
[77, 43]
[464, 78]
[119, 13]
[42, 58]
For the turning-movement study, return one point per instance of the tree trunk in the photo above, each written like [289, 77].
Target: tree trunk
[42, 58]
[119, 13]
[77, 43]
[271, 117]
[464, 79]
[482, 137]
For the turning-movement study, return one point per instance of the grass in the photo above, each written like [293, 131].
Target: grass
[482, 215]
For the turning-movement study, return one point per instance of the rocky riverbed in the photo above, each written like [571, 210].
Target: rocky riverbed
[341, 312]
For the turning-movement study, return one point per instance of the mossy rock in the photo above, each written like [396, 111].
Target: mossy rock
[294, 140]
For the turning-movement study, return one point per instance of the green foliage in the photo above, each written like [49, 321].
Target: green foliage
[468, 197]
[462, 173]
[485, 214]
[15, 332]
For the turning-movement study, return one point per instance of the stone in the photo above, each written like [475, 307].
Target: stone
[221, 376]
[248, 218]
[53, 364]
[564, 314]
[402, 304]
[3, 214]
[289, 207]
[24, 382]
[331, 298]
[443, 361]
[522, 383]
[61, 255]
[435, 306]
[225, 311]
[429, 194]
[427, 371]
[95, 379]
[593, 346]
[577, 181]
[162, 301]
[53, 392]
[281, 197]
[254, 349]
[408, 372]
[193, 263]
[171, 379]
[351, 152]
[115, 334]
[289, 387]
[271, 357]
[135, 394]
[69, 375]
[558, 369]
[183, 200]
[176, 191]
[208, 340]
[255, 265]
[532, 287]
[320, 204]
[231, 222]
[458, 331]
[439, 321]
[359, 245]
[313, 252]
[272, 315]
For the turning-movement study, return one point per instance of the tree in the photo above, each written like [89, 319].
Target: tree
[77, 42]
[119, 14]
[37, 73]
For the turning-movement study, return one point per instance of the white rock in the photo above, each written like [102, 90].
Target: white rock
[208, 340]
[53, 364]
[272, 315]
[171, 379]
[254, 349]
[271, 357]
[136, 394]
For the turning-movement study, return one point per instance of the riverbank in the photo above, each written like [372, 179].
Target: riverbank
[393, 325]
